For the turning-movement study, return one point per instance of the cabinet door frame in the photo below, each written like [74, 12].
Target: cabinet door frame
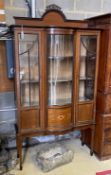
[42, 75]
[80, 33]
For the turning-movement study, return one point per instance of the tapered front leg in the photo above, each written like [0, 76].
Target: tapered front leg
[92, 140]
[20, 150]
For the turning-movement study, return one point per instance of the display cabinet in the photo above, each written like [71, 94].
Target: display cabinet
[56, 66]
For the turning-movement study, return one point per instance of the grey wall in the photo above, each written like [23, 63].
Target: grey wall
[73, 9]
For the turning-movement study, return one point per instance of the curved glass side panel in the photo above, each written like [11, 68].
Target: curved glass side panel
[88, 45]
[29, 70]
[60, 68]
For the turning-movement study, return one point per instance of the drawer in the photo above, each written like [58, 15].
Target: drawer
[107, 135]
[59, 118]
[107, 128]
[107, 121]
[104, 103]
[106, 149]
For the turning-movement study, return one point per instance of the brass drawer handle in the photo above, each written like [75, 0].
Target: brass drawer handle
[60, 117]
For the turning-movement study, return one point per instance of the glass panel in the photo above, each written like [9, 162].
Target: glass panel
[29, 70]
[87, 67]
[60, 62]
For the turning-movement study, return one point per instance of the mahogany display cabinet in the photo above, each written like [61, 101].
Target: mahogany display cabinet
[56, 67]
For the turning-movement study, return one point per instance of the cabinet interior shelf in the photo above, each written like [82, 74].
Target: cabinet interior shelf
[59, 57]
[60, 81]
[26, 104]
[59, 102]
[88, 57]
[24, 56]
[84, 99]
[27, 81]
[86, 79]
[50, 81]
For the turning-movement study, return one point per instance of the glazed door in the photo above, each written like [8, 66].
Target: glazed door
[87, 60]
[60, 78]
[29, 70]
[28, 78]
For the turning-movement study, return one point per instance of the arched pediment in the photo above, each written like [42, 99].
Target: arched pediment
[55, 12]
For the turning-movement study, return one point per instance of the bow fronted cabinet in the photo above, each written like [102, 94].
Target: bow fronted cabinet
[56, 69]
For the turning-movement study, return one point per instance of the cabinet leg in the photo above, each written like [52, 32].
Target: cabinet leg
[91, 153]
[17, 145]
[82, 138]
[20, 151]
[92, 140]
[17, 155]
[20, 155]
[21, 167]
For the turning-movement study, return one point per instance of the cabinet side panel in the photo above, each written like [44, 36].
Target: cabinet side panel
[104, 77]
[103, 59]
[108, 72]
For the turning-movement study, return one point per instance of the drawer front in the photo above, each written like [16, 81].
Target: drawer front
[102, 142]
[29, 119]
[107, 122]
[107, 129]
[106, 149]
[103, 103]
[59, 118]
[107, 135]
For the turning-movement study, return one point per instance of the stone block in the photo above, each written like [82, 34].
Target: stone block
[40, 4]
[39, 13]
[106, 6]
[11, 13]
[64, 4]
[90, 15]
[88, 6]
[7, 3]
[75, 16]
[19, 4]
[22, 4]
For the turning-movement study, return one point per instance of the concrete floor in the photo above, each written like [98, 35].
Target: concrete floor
[82, 164]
